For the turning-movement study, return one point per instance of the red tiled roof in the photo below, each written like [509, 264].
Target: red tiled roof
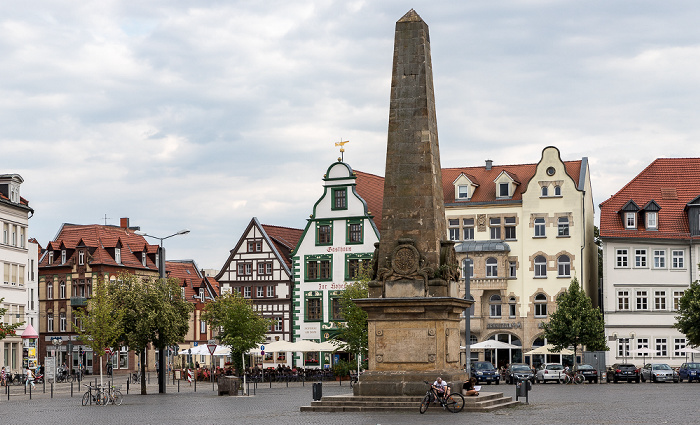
[371, 189]
[486, 192]
[672, 183]
[285, 240]
[190, 278]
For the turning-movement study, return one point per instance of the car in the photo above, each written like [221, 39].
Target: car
[485, 372]
[622, 372]
[658, 372]
[588, 372]
[689, 371]
[519, 372]
[549, 372]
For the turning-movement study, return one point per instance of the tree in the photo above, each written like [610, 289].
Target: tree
[101, 322]
[241, 328]
[154, 312]
[688, 319]
[354, 335]
[576, 322]
[7, 329]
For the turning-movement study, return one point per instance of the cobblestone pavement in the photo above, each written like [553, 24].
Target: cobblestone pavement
[549, 404]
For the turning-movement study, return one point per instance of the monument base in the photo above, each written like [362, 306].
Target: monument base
[411, 340]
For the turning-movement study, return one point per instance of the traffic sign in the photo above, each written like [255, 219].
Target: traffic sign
[195, 343]
[211, 341]
[211, 348]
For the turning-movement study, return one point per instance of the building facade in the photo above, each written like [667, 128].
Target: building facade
[528, 231]
[650, 232]
[339, 238]
[15, 265]
[259, 268]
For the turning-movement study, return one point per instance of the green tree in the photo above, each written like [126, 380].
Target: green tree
[101, 322]
[354, 335]
[688, 319]
[154, 313]
[241, 327]
[575, 322]
[7, 329]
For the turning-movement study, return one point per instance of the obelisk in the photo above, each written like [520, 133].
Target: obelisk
[413, 312]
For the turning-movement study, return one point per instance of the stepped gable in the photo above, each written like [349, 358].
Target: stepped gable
[371, 188]
[672, 183]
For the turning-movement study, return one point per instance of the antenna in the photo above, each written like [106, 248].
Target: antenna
[107, 218]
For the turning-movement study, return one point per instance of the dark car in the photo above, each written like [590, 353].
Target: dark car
[519, 372]
[485, 372]
[588, 372]
[689, 371]
[623, 372]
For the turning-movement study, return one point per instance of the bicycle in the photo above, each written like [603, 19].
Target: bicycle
[571, 377]
[453, 402]
[114, 395]
[136, 377]
[99, 397]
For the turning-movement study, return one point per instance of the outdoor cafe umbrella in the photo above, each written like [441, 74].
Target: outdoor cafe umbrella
[644, 351]
[690, 350]
[549, 349]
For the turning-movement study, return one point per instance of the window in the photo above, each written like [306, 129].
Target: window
[63, 256]
[623, 347]
[623, 300]
[336, 311]
[540, 266]
[642, 343]
[677, 259]
[564, 266]
[630, 220]
[545, 191]
[5, 233]
[491, 268]
[557, 190]
[117, 255]
[49, 322]
[652, 221]
[245, 269]
[621, 258]
[318, 267]
[678, 345]
[510, 228]
[313, 309]
[279, 324]
[340, 198]
[472, 309]
[642, 300]
[495, 306]
[453, 229]
[503, 190]
[512, 269]
[659, 258]
[354, 232]
[265, 267]
[202, 327]
[495, 228]
[62, 289]
[470, 265]
[563, 226]
[661, 348]
[324, 234]
[677, 299]
[540, 305]
[511, 307]
[51, 257]
[270, 291]
[659, 300]
[468, 225]
[14, 235]
[49, 290]
[143, 259]
[539, 228]
[62, 322]
[81, 257]
[246, 292]
[260, 292]
[21, 237]
[640, 258]
[254, 246]
[463, 192]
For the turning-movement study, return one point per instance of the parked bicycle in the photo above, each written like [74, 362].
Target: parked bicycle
[114, 395]
[570, 376]
[94, 395]
[453, 402]
[136, 377]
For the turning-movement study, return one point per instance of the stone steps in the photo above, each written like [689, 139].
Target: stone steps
[485, 402]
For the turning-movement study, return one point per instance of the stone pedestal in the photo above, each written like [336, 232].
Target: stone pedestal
[411, 340]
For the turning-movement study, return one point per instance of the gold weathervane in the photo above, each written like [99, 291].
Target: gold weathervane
[342, 148]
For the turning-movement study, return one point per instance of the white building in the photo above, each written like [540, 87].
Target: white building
[650, 231]
[14, 264]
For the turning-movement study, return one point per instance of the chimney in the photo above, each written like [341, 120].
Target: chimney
[489, 163]
[124, 222]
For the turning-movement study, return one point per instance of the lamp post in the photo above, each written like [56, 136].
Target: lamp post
[467, 316]
[161, 272]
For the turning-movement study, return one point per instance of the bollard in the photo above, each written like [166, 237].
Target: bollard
[149, 378]
[71, 389]
[8, 393]
[30, 393]
[178, 385]
[195, 383]
[52, 390]
[44, 384]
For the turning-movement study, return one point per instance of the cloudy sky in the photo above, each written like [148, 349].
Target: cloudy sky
[202, 114]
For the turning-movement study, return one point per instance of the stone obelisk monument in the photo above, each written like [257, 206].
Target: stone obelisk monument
[413, 312]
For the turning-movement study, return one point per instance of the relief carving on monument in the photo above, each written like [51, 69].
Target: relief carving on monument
[405, 262]
[481, 223]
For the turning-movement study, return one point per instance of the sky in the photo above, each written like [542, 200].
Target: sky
[203, 114]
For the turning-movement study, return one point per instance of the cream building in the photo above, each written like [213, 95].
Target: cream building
[528, 231]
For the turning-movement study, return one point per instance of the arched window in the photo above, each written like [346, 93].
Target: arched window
[564, 266]
[540, 266]
[473, 339]
[539, 227]
[545, 191]
[62, 289]
[495, 306]
[491, 267]
[563, 226]
[511, 307]
[540, 305]
[557, 190]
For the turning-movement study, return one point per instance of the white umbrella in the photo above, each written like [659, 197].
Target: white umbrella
[491, 344]
[198, 350]
[549, 349]
[645, 351]
[687, 349]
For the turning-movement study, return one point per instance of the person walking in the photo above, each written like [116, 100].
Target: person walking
[30, 379]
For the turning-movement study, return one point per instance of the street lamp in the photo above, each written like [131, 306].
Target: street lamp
[161, 273]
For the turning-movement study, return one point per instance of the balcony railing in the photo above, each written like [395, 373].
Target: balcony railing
[78, 301]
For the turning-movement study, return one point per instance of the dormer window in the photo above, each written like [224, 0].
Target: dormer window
[503, 190]
[630, 220]
[50, 257]
[63, 256]
[652, 221]
[118, 255]
[143, 259]
[81, 258]
[201, 294]
[463, 192]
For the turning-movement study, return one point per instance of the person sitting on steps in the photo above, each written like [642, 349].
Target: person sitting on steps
[441, 387]
[469, 388]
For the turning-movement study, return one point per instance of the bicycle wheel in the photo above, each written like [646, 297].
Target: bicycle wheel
[86, 398]
[454, 402]
[578, 379]
[117, 398]
[425, 403]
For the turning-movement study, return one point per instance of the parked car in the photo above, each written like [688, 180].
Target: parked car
[588, 372]
[658, 372]
[485, 372]
[519, 371]
[689, 371]
[549, 372]
[623, 372]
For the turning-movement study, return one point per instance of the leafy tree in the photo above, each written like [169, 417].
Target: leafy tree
[688, 319]
[7, 329]
[354, 335]
[576, 322]
[241, 327]
[101, 322]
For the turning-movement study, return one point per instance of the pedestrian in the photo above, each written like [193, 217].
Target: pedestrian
[30, 379]
[3, 377]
